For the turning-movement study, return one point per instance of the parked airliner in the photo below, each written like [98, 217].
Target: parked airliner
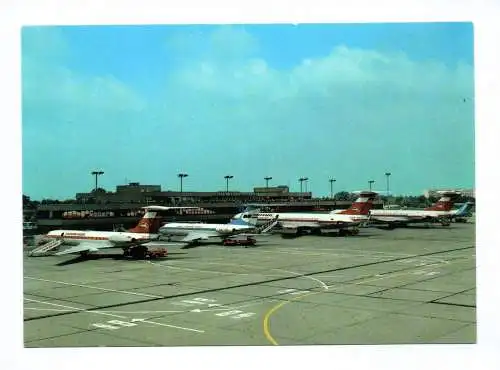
[441, 212]
[134, 241]
[193, 232]
[345, 222]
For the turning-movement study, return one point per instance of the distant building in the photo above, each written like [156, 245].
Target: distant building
[471, 193]
[135, 187]
[134, 192]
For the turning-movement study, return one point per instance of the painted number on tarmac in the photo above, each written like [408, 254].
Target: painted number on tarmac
[235, 314]
[194, 302]
[219, 309]
[114, 324]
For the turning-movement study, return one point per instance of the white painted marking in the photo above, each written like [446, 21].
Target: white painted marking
[323, 285]
[390, 275]
[105, 326]
[188, 301]
[181, 304]
[141, 312]
[109, 314]
[346, 252]
[331, 276]
[244, 315]
[227, 313]
[432, 273]
[47, 309]
[213, 309]
[169, 326]
[76, 309]
[286, 291]
[94, 287]
[204, 299]
[216, 272]
[122, 323]
[196, 270]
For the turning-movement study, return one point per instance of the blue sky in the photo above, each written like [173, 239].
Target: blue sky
[348, 101]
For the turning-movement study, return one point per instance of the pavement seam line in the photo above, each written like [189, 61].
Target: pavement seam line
[254, 283]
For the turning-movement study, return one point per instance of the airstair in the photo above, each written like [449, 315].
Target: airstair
[45, 248]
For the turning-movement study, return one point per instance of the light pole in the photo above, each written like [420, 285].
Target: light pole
[371, 182]
[387, 174]
[227, 177]
[267, 178]
[331, 187]
[181, 176]
[305, 179]
[96, 174]
[301, 180]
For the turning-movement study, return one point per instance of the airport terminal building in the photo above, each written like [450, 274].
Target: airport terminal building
[104, 210]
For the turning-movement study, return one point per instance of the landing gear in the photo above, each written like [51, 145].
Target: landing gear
[303, 231]
[317, 232]
[347, 232]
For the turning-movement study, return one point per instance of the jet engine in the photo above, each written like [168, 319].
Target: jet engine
[225, 229]
[121, 239]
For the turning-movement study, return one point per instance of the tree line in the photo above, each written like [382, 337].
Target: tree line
[400, 200]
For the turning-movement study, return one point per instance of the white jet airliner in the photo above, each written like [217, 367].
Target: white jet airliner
[345, 222]
[134, 242]
[441, 212]
[193, 232]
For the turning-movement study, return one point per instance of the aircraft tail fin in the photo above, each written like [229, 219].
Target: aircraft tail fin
[149, 223]
[445, 203]
[362, 204]
[465, 210]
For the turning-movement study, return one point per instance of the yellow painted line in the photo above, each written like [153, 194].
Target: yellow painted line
[364, 280]
[268, 314]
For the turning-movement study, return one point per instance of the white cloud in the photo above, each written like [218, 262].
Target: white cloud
[384, 110]
[50, 87]
[343, 68]
[222, 97]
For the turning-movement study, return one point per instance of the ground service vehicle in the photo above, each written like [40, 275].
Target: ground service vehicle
[243, 242]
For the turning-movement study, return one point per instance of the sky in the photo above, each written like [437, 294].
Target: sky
[343, 101]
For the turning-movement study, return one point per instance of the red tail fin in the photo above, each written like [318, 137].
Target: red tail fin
[445, 203]
[149, 223]
[362, 205]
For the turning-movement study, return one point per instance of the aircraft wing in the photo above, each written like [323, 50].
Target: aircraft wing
[389, 219]
[83, 247]
[245, 235]
[191, 237]
[157, 244]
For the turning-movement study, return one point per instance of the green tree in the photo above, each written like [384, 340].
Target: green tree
[342, 196]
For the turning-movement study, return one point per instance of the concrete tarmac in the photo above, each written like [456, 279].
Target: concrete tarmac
[409, 285]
